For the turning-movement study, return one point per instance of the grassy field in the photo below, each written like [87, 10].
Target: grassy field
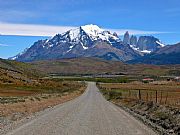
[20, 100]
[168, 94]
[46, 87]
[22, 68]
[158, 103]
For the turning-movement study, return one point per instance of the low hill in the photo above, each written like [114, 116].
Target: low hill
[17, 72]
[85, 66]
[79, 66]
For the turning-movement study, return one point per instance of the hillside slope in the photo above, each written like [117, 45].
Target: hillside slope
[17, 72]
[79, 66]
[84, 66]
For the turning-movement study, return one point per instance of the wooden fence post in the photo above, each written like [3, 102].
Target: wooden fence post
[156, 97]
[139, 94]
[166, 97]
[161, 97]
[147, 96]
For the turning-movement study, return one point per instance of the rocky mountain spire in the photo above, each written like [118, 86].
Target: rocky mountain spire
[133, 40]
[126, 39]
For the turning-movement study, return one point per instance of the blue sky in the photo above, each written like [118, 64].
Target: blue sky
[28, 21]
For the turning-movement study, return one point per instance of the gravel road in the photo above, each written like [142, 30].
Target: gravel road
[89, 114]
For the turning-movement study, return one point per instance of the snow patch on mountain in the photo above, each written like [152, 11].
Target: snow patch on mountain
[137, 49]
[71, 47]
[84, 47]
[74, 34]
[161, 44]
[92, 30]
[146, 51]
[134, 47]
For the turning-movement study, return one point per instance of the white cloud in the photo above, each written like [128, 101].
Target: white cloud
[3, 45]
[31, 30]
[48, 30]
[135, 32]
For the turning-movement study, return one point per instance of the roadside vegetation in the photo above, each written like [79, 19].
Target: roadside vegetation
[40, 87]
[93, 79]
[20, 100]
[156, 104]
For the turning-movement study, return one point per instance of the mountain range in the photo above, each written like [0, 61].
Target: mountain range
[84, 41]
[92, 41]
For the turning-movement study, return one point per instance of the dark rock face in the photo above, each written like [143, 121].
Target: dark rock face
[143, 44]
[85, 41]
[133, 40]
[149, 43]
[115, 34]
[126, 39]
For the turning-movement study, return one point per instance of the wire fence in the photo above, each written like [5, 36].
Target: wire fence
[157, 96]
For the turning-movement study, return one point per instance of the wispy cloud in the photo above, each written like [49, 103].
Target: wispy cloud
[49, 30]
[4, 45]
[135, 32]
[31, 30]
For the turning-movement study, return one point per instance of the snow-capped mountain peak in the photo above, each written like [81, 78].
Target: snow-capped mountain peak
[84, 41]
[91, 29]
[97, 33]
[91, 32]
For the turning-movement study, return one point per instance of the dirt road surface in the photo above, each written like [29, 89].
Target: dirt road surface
[89, 114]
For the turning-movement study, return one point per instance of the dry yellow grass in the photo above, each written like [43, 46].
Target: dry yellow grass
[16, 104]
[168, 94]
[175, 87]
